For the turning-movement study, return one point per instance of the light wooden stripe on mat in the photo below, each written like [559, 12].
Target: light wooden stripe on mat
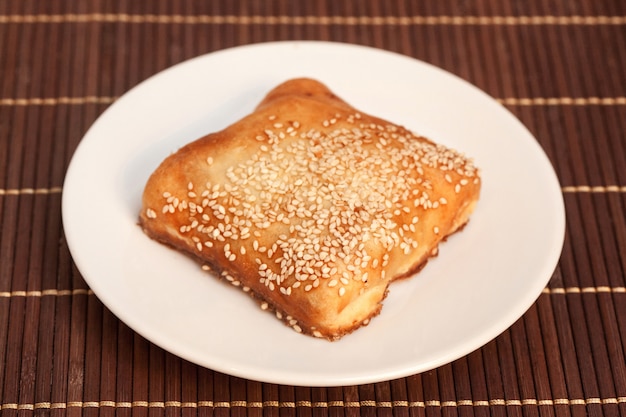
[507, 101]
[46, 293]
[567, 189]
[585, 290]
[563, 101]
[56, 101]
[314, 20]
[594, 189]
[84, 291]
[318, 404]
[28, 191]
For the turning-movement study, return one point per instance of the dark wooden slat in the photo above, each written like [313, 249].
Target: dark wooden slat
[286, 397]
[189, 388]
[335, 396]
[384, 403]
[494, 377]
[415, 395]
[527, 370]
[124, 372]
[93, 356]
[109, 359]
[173, 385]
[477, 377]
[399, 396]
[238, 396]
[29, 238]
[205, 392]
[430, 385]
[304, 402]
[271, 397]
[461, 384]
[155, 381]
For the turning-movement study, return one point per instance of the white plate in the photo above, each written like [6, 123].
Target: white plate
[484, 279]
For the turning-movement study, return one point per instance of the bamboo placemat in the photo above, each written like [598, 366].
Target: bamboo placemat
[559, 66]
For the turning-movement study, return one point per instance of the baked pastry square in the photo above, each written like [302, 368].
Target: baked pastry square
[311, 206]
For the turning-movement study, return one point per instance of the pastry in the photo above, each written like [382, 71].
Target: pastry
[311, 206]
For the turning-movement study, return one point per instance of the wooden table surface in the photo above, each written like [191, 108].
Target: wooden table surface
[559, 66]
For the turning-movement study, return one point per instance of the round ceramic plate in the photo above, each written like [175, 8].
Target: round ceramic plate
[483, 280]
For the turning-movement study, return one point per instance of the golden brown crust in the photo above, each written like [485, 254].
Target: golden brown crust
[311, 206]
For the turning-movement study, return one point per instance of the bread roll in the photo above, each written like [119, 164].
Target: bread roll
[311, 206]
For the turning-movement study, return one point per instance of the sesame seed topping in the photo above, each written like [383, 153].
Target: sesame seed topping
[307, 208]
